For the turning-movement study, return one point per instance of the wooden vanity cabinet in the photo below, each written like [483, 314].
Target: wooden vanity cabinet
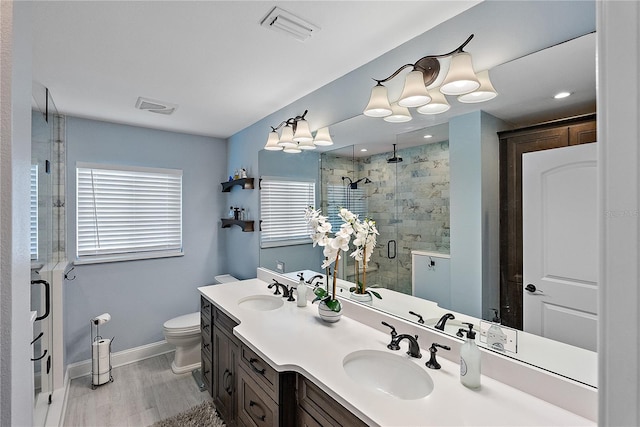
[317, 408]
[206, 329]
[247, 391]
[225, 355]
[266, 397]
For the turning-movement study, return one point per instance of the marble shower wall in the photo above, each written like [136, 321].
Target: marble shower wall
[409, 202]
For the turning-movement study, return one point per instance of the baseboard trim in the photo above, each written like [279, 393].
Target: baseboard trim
[120, 358]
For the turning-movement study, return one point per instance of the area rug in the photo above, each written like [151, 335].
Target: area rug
[198, 416]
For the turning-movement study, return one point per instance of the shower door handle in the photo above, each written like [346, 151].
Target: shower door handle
[392, 243]
[47, 297]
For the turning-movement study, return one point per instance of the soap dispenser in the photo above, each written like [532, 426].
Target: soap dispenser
[469, 359]
[496, 338]
[302, 291]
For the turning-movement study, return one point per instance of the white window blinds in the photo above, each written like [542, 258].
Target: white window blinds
[282, 206]
[33, 213]
[127, 213]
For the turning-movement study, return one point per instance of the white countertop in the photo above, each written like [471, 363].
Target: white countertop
[291, 338]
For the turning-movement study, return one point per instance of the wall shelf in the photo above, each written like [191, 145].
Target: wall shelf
[245, 225]
[245, 183]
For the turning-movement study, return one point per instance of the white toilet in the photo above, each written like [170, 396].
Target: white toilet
[184, 333]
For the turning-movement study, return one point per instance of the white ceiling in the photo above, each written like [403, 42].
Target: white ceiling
[212, 58]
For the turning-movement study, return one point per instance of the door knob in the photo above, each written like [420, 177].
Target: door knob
[532, 288]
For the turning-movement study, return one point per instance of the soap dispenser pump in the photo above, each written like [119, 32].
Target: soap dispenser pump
[469, 359]
[302, 291]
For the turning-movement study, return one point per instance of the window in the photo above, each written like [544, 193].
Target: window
[340, 196]
[33, 213]
[127, 213]
[282, 205]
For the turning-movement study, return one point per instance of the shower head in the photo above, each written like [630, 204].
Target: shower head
[394, 159]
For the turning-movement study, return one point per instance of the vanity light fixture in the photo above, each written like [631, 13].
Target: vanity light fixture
[460, 80]
[295, 136]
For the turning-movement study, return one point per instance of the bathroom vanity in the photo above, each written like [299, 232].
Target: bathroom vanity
[248, 391]
[268, 362]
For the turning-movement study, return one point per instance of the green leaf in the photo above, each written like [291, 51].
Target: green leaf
[351, 289]
[374, 293]
[334, 305]
[320, 292]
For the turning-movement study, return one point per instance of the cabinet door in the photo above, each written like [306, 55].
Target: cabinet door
[225, 352]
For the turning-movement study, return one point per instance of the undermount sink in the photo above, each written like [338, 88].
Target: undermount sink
[261, 302]
[388, 374]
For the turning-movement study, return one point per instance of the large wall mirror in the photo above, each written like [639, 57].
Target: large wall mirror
[411, 200]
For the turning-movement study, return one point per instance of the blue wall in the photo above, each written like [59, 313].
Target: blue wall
[142, 295]
[547, 23]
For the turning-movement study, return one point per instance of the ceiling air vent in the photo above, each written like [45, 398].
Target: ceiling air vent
[155, 106]
[288, 23]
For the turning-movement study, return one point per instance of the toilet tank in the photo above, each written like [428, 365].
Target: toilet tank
[225, 278]
[430, 277]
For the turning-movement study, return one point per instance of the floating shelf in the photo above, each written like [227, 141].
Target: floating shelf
[245, 225]
[245, 183]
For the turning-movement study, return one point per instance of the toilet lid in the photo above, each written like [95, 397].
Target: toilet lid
[191, 320]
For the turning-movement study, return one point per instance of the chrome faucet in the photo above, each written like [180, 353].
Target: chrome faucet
[443, 321]
[414, 347]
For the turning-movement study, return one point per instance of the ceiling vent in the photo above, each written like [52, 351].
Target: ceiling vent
[155, 106]
[288, 23]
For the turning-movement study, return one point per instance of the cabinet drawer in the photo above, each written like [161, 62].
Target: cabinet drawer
[255, 407]
[264, 374]
[205, 309]
[322, 407]
[223, 321]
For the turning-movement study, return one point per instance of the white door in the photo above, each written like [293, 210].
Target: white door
[560, 230]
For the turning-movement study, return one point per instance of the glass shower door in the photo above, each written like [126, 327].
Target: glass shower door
[43, 255]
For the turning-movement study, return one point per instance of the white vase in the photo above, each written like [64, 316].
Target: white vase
[363, 298]
[327, 314]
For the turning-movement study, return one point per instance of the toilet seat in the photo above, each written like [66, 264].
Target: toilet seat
[186, 324]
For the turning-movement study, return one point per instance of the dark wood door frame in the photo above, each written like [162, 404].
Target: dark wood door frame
[514, 143]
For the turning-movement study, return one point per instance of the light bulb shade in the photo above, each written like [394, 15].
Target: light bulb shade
[461, 78]
[293, 149]
[286, 137]
[272, 142]
[323, 138]
[485, 92]
[302, 134]
[378, 105]
[437, 105]
[306, 145]
[399, 114]
[414, 93]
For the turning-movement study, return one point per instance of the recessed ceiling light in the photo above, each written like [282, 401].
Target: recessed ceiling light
[561, 95]
[428, 136]
[363, 149]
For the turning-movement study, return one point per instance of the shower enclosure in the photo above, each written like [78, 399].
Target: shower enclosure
[406, 191]
[46, 237]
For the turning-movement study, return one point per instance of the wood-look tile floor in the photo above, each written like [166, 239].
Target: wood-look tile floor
[141, 394]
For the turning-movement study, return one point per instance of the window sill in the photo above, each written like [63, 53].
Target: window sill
[125, 257]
